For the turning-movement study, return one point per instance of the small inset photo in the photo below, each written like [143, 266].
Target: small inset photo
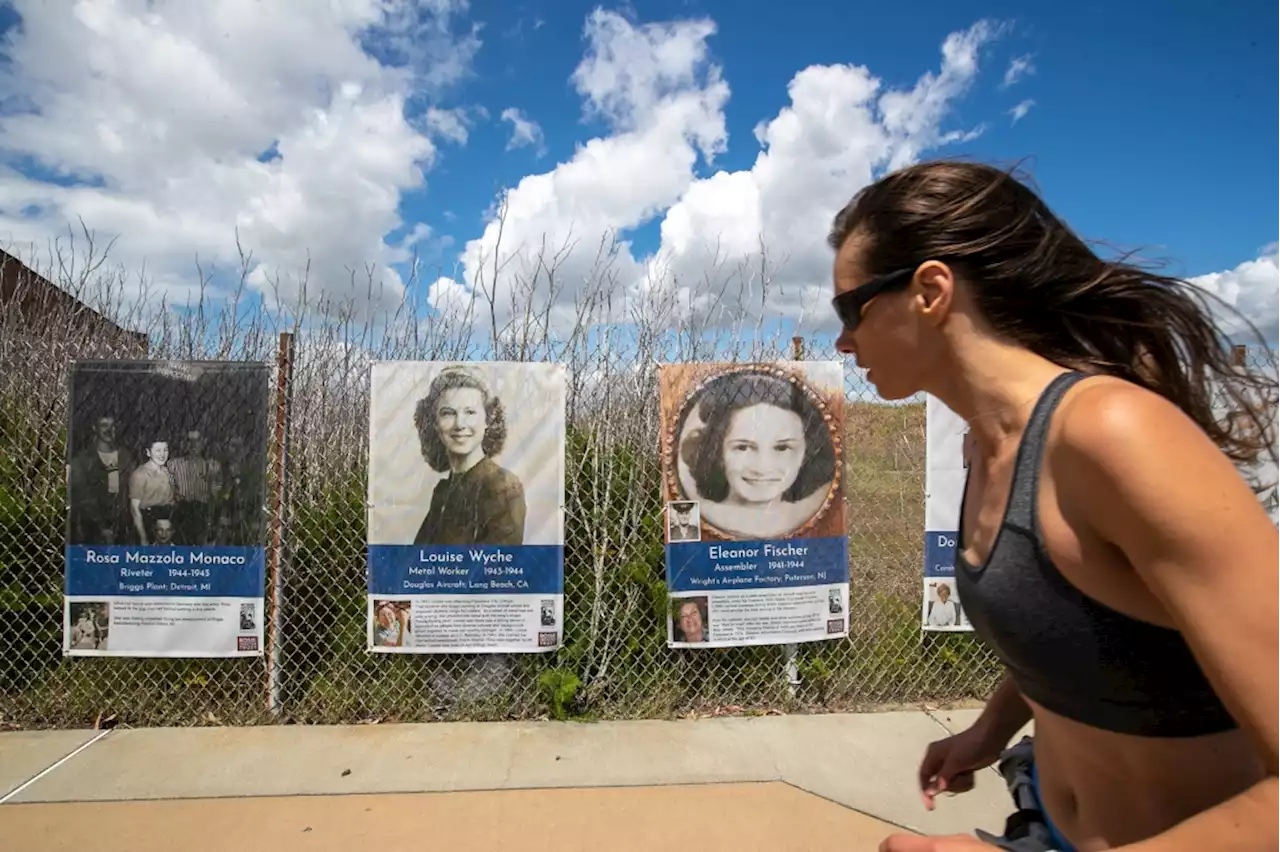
[548, 612]
[835, 601]
[248, 616]
[88, 623]
[683, 522]
[392, 625]
[942, 604]
[689, 619]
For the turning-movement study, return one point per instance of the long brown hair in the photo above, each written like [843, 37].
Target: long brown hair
[1039, 286]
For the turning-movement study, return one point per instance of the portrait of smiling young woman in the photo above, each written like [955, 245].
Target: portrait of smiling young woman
[1111, 553]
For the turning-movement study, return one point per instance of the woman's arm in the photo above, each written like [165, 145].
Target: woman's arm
[1004, 715]
[135, 509]
[1144, 478]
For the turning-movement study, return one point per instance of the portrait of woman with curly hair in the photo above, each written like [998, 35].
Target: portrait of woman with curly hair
[462, 426]
[757, 454]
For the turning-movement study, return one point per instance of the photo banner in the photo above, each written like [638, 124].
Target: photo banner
[466, 507]
[166, 492]
[941, 607]
[1263, 473]
[756, 547]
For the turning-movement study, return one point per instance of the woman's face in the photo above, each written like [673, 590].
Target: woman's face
[691, 622]
[763, 451]
[944, 592]
[891, 343]
[460, 420]
[384, 616]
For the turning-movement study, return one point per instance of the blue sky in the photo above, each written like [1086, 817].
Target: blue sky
[1149, 125]
[1154, 123]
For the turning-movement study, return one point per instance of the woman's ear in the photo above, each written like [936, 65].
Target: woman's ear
[935, 289]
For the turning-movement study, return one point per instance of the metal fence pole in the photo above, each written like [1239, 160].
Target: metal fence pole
[279, 507]
[791, 650]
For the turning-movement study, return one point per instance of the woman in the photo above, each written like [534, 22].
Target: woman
[391, 624]
[152, 491]
[943, 612]
[762, 459]
[461, 426]
[1110, 552]
[690, 621]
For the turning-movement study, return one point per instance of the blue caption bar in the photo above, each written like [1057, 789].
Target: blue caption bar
[772, 564]
[410, 569]
[165, 571]
[940, 553]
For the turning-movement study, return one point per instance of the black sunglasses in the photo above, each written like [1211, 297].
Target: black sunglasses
[850, 304]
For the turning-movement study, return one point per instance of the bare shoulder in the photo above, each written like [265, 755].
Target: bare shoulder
[1119, 423]
[1138, 460]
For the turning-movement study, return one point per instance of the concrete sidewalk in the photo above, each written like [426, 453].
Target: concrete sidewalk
[775, 782]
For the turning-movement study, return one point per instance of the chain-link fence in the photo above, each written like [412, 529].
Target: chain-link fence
[317, 669]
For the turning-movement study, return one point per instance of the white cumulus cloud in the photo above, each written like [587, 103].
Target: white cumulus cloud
[524, 131]
[177, 126]
[663, 99]
[841, 128]
[1253, 289]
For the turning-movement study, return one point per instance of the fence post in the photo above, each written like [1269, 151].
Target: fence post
[791, 650]
[279, 505]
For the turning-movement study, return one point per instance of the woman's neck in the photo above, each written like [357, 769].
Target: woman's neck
[993, 388]
[461, 464]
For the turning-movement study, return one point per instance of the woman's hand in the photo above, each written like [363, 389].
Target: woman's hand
[940, 843]
[949, 764]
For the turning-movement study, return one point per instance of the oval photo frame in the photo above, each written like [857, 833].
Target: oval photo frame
[674, 438]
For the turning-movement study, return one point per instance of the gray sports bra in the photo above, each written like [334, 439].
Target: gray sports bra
[1065, 650]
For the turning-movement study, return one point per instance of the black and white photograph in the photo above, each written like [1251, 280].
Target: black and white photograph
[466, 454]
[835, 601]
[88, 625]
[167, 453]
[248, 616]
[547, 613]
[683, 522]
[757, 446]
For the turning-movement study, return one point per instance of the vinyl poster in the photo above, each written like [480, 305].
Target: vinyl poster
[944, 478]
[166, 479]
[466, 507]
[756, 546]
[1263, 474]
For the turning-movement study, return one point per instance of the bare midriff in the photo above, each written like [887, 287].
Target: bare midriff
[1102, 789]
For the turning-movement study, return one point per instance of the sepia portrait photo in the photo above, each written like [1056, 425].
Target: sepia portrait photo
[757, 446]
[466, 453]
